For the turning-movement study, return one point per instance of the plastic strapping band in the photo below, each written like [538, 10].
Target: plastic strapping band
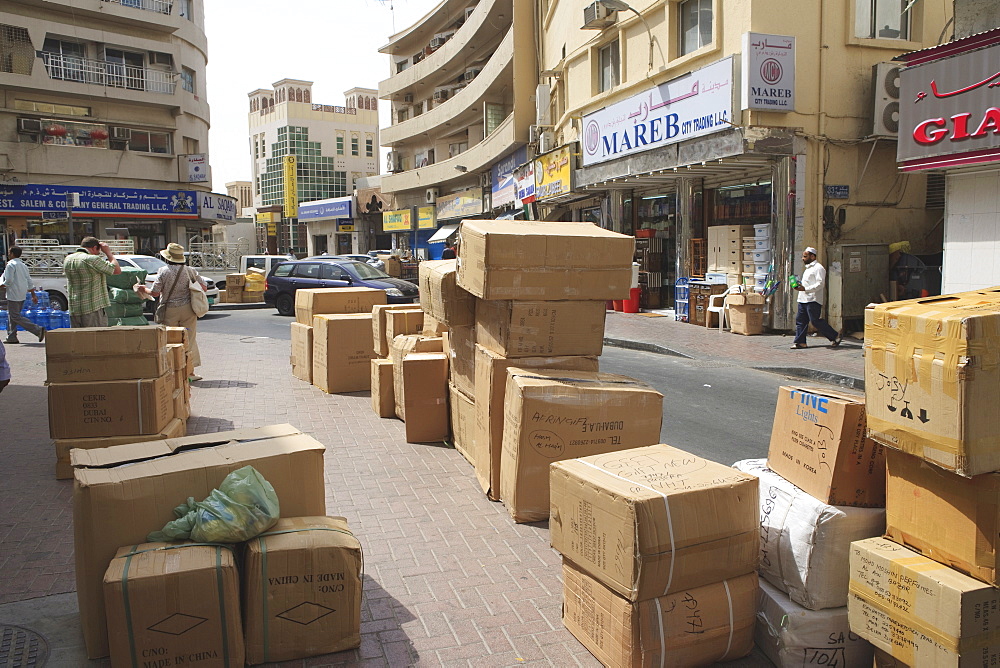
[128, 609]
[666, 505]
[222, 605]
[263, 592]
[729, 599]
[659, 617]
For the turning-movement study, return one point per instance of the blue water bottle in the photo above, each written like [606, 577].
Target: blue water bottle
[65, 322]
[55, 319]
[3, 320]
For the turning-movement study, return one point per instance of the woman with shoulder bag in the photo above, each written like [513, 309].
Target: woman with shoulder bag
[174, 285]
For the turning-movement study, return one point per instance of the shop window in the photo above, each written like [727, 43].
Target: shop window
[881, 19]
[609, 67]
[16, 52]
[696, 25]
[70, 133]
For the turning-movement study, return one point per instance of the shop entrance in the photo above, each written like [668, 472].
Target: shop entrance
[344, 244]
[320, 245]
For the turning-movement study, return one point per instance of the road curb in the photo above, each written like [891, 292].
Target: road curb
[644, 347]
[239, 307]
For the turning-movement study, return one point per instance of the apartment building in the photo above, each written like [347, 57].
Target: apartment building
[103, 111]
[460, 86]
[304, 151]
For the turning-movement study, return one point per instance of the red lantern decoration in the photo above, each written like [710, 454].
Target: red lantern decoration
[56, 130]
[98, 134]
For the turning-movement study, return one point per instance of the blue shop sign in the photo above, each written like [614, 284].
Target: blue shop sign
[327, 209]
[34, 199]
[504, 187]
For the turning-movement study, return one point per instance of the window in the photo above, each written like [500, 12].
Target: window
[63, 59]
[149, 142]
[187, 79]
[354, 146]
[16, 52]
[184, 9]
[66, 133]
[493, 116]
[191, 145]
[609, 64]
[340, 145]
[333, 272]
[307, 270]
[49, 108]
[280, 270]
[125, 69]
[881, 19]
[369, 147]
[696, 25]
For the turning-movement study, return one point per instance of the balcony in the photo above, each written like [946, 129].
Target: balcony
[102, 73]
[158, 6]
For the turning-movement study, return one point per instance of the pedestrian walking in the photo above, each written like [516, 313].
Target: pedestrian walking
[18, 282]
[175, 280]
[4, 368]
[811, 288]
[448, 253]
[87, 282]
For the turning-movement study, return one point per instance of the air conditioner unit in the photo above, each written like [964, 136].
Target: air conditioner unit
[471, 74]
[29, 126]
[441, 95]
[121, 133]
[535, 133]
[438, 42]
[431, 195]
[546, 141]
[597, 16]
[885, 111]
[393, 162]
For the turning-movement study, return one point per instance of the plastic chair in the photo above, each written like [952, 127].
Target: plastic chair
[717, 304]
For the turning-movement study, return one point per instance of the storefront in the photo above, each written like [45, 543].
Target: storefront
[331, 226]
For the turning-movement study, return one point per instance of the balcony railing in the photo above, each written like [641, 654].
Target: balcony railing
[103, 73]
[158, 6]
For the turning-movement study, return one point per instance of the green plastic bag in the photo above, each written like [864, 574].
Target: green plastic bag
[116, 310]
[243, 507]
[129, 277]
[119, 296]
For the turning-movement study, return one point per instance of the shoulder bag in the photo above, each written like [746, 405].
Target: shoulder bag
[160, 314]
[199, 300]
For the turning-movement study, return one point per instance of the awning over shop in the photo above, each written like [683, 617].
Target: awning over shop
[442, 234]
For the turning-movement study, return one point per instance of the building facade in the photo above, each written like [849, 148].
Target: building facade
[303, 151]
[461, 86]
[242, 192]
[104, 121]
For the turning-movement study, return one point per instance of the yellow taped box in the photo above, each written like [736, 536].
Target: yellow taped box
[442, 298]
[931, 373]
[532, 328]
[919, 611]
[319, 301]
[111, 408]
[552, 415]
[383, 391]
[64, 468]
[381, 342]
[174, 604]
[818, 443]
[698, 626]
[463, 423]
[106, 353]
[302, 590]
[302, 351]
[941, 515]
[342, 352]
[653, 521]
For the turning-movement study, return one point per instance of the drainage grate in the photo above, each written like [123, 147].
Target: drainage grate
[21, 647]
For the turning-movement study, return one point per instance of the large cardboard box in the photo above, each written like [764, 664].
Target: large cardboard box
[442, 298]
[463, 423]
[951, 519]
[400, 322]
[235, 280]
[342, 352]
[302, 590]
[920, 611]
[302, 351]
[383, 392]
[532, 328]
[931, 379]
[544, 260]
[177, 335]
[122, 493]
[490, 393]
[178, 356]
[319, 301]
[402, 346]
[422, 396]
[792, 636]
[653, 521]
[555, 415]
[818, 443]
[746, 313]
[106, 353]
[804, 543]
[111, 407]
[64, 468]
[694, 627]
[251, 296]
[174, 604]
[380, 340]
[462, 356]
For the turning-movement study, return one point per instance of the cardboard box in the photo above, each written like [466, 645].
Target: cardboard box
[122, 493]
[302, 351]
[174, 604]
[804, 543]
[235, 280]
[433, 327]
[490, 397]
[463, 423]
[792, 636]
[393, 266]
[111, 407]
[746, 313]
[182, 407]
[178, 356]
[222, 297]
[653, 521]
[378, 326]
[462, 356]
[234, 294]
[544, 260]
[951, 519]
[64, 469]
[920, 611]
[552, 415]
[319, 301]
[930, 379]
[422, 396]
[106, 353]
[531, 329]
[818, 443]
[442, 298]
[342, 352]
[400, 322]
[402, 346]
[695, 627]
[177, 335]
[383, 392]
[252, 297]
[302, 590]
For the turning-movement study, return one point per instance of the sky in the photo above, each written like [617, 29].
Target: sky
[253, 43]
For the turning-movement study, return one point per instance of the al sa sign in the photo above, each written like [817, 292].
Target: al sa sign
[694, 105]
[768, 72]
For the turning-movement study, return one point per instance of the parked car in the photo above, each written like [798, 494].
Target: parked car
[352, 256]
[152, 265]
[329, 272]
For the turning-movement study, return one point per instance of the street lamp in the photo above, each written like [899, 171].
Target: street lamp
[620, 6]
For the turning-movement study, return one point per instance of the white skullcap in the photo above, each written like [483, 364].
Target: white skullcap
[810, 249]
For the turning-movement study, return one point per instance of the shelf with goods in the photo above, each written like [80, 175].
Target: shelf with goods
[740, 205]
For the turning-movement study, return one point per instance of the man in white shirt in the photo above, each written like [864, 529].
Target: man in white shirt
[18, 282]
[811, 288]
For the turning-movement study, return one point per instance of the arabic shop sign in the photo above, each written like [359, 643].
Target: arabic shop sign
[950, 107]
[465, 204]
[426, 217]
[326, 209]
[768, 72]
[503, 186]
[524, 179]
[697, 104]
[220, 208]
[396, 221]
[32, 199]
[553, 173]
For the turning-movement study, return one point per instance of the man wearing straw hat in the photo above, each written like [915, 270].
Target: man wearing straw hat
[811, 287]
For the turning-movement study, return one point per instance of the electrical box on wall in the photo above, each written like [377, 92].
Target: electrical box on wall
[856, 275]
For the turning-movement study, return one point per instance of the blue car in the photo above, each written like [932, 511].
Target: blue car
[329, 272]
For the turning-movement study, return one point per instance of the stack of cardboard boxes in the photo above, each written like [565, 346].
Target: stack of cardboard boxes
[245, 288]
[114, 385]
[927, 594]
